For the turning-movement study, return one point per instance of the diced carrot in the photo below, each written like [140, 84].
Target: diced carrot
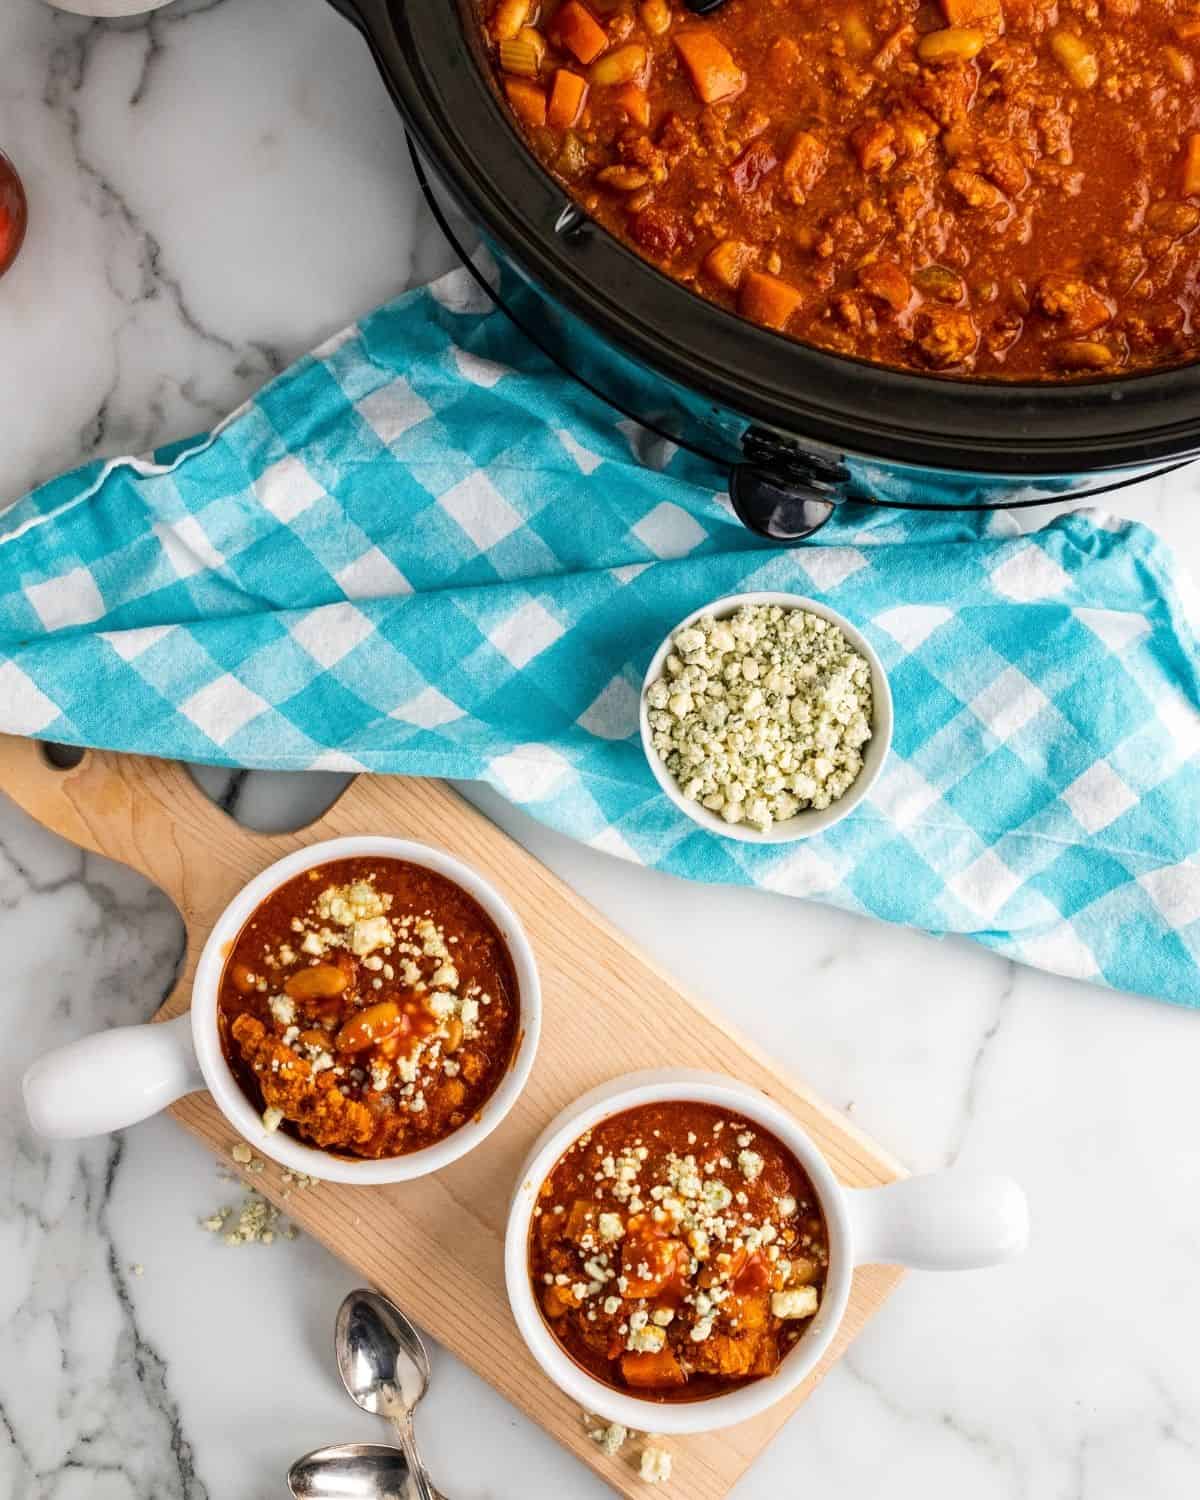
[575, 28]
[805, 160]
[1191, 166]
[657, 1371]
[727, 262]
[566, 99]
[715, 75]
[767, 300]
[527, 100]
[635, 102]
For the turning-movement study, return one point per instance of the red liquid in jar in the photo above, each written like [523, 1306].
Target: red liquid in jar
[13, 213]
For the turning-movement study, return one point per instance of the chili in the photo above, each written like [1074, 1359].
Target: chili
[987, 188]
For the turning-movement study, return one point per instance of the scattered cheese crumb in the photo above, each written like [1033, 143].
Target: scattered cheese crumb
[253, 1222]
[137, 1268]
[241, 1153]
[609, 1437]
[655, 1467]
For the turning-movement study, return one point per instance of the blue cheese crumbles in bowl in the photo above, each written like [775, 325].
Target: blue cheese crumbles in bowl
[766, 717]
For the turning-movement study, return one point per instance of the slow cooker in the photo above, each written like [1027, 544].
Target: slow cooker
[798, 428]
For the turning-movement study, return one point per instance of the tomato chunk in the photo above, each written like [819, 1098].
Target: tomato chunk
[650, 1266]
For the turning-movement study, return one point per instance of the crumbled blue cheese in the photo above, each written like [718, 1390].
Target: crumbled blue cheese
[344, 905]
[655, 1466]
[646, 1340]
[762, 715]
[283, 1008]
[370, 933]
[609, 1437]
[750, 1165]
[610, 1227]
[795, 1302]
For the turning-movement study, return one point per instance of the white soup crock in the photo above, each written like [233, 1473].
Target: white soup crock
[945, 1221]
[114, 1078]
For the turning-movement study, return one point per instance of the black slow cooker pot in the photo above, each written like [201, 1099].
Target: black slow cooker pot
[798, 427]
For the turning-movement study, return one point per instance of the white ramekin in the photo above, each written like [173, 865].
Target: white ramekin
[812, 820]
[944, 1221]
[115, 1078]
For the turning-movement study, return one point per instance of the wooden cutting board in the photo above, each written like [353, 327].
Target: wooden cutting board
[435, 1246]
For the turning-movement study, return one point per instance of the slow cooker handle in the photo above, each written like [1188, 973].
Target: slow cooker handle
[782, 491]
[777, 490]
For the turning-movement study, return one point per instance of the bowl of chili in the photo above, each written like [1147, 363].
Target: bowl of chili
[679, 1252]
[365, 1010]
[865, 393]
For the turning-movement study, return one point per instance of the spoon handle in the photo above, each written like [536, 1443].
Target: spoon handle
[422, 1488]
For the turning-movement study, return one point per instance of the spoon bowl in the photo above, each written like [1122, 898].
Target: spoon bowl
[385, 1369]
[381, 1359]
[351, 1471]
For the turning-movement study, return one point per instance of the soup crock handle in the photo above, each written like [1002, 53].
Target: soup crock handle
[111, 1079]
[946, 1221]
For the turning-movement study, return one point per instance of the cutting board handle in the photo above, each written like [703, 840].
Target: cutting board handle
[148, 814]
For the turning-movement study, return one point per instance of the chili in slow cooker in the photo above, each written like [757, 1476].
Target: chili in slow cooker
[369, 1006]
[989, 188]
[678, 1251]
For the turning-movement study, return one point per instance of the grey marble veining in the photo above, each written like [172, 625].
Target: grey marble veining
[213, 190]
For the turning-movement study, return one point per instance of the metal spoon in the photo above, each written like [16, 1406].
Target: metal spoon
[385, 1369]
[350, 1471]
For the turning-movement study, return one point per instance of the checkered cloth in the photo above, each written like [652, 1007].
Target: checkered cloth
[423, 550]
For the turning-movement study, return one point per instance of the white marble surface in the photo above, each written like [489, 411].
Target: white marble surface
[212, 190]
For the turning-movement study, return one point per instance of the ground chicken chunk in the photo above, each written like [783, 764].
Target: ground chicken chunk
[1071, 300]
[946, 336]
[311, 1101]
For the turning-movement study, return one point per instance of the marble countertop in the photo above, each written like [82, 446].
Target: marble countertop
[213, 189]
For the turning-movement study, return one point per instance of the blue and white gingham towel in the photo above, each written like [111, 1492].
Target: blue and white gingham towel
[423, 550]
